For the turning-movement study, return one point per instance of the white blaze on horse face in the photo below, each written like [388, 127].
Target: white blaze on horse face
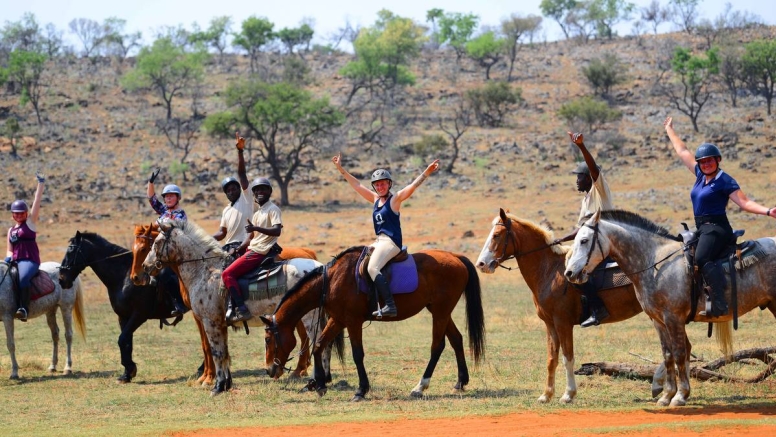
[150, 260]
[486, 262]
[582, 259]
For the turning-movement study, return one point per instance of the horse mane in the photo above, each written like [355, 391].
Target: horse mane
[548, 235]
[635, 220]
[99, 239]
[200, 237]
[315, 273]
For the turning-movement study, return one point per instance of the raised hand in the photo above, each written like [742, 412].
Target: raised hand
[240, 141]
[154, 174]
[249, 227]
[668, 123]
[434, 166]
[577, 138]
[40, 177]
[337, 160]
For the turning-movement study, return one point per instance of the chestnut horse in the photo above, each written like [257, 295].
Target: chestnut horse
[144, 237]
[443, 278]
[557, 302]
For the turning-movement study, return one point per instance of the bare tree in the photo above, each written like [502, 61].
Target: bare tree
[455, 127]
[89, 32]
[685, 14]
[655, 14]
[516, 30]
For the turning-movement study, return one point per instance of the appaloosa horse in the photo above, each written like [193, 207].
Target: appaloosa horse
[442, 278]
[199, 261]
[68, 299]
[558, 303]
[654, 261]
[144, 237]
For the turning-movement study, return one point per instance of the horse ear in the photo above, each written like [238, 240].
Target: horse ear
[502, 214]
[596, 216]
[266, 321]
[77, 234]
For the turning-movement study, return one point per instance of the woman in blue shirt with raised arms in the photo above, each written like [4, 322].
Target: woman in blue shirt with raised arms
[385, 217]
[710, 194]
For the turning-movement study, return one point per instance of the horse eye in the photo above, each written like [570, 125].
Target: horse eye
[583, 241]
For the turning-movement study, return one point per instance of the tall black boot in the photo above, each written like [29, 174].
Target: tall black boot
[598, 311]
[174, 288]
[714, 277]
[239, 312]
[24, 304]
[384, 290]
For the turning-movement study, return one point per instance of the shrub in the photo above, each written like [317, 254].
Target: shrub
[588, 111]
[492, 101]
[430, 145]
[604, 73]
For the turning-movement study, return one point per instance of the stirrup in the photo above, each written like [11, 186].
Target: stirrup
[21, 315]
[386, 312]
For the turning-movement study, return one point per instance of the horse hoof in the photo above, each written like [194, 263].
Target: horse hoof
[321, 391]
[662, 402]
[66, 372]
[678, 403]
[416, 394]
[543, 399]
[656, 392]
[358, 398]
[52, 369]
[566, 399]
[14, 377]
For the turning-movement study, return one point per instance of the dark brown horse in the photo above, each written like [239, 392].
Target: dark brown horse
[557, 302]
[443, 278]
[144, 238]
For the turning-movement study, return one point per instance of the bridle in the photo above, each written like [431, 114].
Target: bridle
[78, 253]
[160, 263]
[510, 237]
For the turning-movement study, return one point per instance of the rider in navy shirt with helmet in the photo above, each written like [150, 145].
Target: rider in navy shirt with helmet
[710, 194]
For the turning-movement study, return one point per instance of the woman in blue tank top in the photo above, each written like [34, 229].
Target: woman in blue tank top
[385, 217]
[710, 194]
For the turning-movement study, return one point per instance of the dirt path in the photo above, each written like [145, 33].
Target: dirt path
[709, 422]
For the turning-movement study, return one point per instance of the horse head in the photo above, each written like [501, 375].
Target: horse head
[162, 251]
[590, 247]
[497, 245]
[144, 238]
[74, 261]
[279, 341]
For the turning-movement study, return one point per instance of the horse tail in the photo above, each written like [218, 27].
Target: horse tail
[339, 347]
[78, 308]
[724, 336]
[475, 319]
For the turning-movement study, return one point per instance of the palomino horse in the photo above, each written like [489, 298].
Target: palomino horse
[144, 237]
[199, 261]
[132, 304]
[557, 304]
[70, 302]
[443, 278]
[653, 260]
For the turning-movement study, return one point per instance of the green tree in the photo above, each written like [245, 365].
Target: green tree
[695, 80]
[24, 35]
[604, 73]
[590, 112]
[296, 37]
[759, 65]
[731, 70]
[456, 29]
[433, 16]
[558, 10]
[492, 102]
[115, 41]
[11, 129]
[256, 33]
[287, 122]
[516, 29]
[26, 68]
[607, 13]
[168, 69]
[486, 50]
[216, 36]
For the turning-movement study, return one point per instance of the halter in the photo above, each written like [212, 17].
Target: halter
[78, 253]
[161, 262]
[509, 236]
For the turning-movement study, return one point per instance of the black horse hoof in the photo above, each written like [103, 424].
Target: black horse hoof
[321, 391]
[358, 398]
[310, 386]
[124, 379]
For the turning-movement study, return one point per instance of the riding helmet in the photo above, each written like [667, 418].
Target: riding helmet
[227, 181]
[172, 188]
[19, 206]
[381, 174]
[707, 150]
[259, 182]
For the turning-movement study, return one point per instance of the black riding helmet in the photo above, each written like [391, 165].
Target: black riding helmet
[229, 180]
[380, 175]
[707, 150]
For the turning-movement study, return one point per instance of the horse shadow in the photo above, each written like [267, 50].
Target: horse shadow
[762, 408]
[59, 375]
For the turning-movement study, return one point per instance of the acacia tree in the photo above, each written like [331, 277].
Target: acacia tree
[287, 122]
[656, 14]
[456, 29]
[694, 85]
[296, 37]
[433, 16]
[168, 69]
[759, 66]
[455, 127]
[255, 34]
[607, 13]
[685, 14]
[558, 10]
[216, 35]
[26, 68]
[604, 73]
[115, 41]
[516, 29]
[486, 50]
[89, 32]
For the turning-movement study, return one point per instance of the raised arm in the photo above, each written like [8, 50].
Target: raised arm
[579, 140]
[241, 162]
[35, 210]
[365, 192]
[685, 155]
[739, 198]
[150, 189]
[406, 192]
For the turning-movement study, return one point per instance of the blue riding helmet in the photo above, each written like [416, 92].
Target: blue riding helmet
[19, 206]
[707, 150]
[172, 188]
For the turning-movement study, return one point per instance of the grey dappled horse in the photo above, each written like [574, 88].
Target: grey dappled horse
[68, 300]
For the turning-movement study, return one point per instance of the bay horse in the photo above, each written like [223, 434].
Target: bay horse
[654, 261]
[557, 302]
[199, 261]
[133, 304]
[144, 237]
[69, 300]
[443, 278]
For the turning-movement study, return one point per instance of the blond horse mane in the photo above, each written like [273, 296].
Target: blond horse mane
[549, 236]
[201, 239]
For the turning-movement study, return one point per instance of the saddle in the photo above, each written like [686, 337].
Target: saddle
[400, 272]
[608, 275]
[41, 284]
[268, 280]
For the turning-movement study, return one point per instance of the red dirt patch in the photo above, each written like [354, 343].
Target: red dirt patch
[709, 422]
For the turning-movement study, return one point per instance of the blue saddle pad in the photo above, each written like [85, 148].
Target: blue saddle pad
[404, 277]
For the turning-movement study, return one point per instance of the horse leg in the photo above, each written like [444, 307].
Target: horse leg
[566, 335]
[324, 340]
[9, 341]
[125, 342]
[438, 329]
[669, 386]
[553, 348]
[67, 320]
[681, 349]
[217, 335]
[51, 320]
[658, 379]
[456, 342]
[304, 353]
[209, 369]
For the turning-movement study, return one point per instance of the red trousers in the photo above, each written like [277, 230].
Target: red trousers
[241, 266]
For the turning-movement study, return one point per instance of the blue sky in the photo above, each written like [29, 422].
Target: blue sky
[329, 15]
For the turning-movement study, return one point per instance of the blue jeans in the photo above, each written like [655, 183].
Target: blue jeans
[27, 270]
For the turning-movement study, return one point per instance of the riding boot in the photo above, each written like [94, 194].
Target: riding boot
[239, 312]
[173, 287]
[24, 304]
[598, 311]
[384, 290]
[714, 277]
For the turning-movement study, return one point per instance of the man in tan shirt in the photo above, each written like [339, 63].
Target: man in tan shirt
[231, 231]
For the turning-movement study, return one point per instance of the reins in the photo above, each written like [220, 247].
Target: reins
[511, 237]
[86, 264]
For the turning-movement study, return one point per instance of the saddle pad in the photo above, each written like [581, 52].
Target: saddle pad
[42, 285]
[403, 276]
[751, 253]
[264, 284]
[613, 278]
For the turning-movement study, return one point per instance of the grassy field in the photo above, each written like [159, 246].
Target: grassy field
[165, 396]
